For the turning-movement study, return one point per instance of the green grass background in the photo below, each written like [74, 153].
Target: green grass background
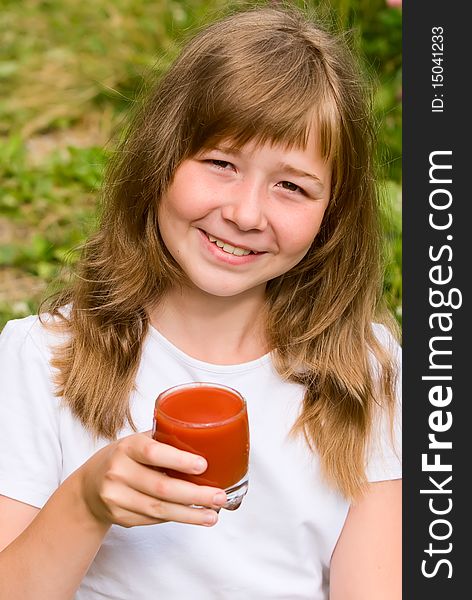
[71, 70]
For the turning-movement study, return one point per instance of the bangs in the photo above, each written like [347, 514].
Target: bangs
[270, 91]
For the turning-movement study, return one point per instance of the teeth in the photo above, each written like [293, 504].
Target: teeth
[228, 248]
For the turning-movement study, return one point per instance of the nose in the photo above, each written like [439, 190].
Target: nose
[245, 207]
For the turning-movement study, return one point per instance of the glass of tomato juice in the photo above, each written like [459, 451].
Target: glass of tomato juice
[210, 420]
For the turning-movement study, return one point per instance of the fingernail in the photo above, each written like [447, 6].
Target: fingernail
[210, 518]
[200, 465]
[219, 498]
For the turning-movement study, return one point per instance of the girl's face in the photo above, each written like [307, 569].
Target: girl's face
[233, 220]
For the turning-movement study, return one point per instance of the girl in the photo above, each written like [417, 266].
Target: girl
[239, 244]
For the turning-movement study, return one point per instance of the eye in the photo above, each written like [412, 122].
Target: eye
[220, 164]
[291, 187]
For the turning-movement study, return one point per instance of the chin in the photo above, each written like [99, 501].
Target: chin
[223, 289]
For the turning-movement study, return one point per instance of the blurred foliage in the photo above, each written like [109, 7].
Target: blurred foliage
[69, 73]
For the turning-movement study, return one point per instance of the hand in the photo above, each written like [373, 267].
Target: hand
[122, 484]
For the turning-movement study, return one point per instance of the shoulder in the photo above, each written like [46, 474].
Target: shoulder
[41, 329]
[22, 334]
[390, 352]
[32, 334]
[384, 451]
[26, 373]
[29, 413]
[386, 338]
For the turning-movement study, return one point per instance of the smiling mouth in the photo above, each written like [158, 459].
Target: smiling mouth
[228, 248]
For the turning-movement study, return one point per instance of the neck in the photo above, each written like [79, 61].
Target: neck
[214, 329]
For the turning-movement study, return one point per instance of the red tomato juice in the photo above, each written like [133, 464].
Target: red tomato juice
[208, 421]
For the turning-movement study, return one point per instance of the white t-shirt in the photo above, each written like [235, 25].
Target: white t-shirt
[277, 545]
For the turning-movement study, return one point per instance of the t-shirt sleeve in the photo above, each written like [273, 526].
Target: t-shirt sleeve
[384, 459]
[30, 449]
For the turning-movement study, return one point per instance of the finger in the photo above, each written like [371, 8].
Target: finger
[149, 452]
[159, 485]
[135, 508]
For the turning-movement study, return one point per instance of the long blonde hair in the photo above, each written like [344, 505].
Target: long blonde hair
[267, 74]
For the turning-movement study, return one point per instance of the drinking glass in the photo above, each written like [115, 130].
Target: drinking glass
[210, 420]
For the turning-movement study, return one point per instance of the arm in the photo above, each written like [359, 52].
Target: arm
[15, 516]
[47, 552]
[366, 563]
